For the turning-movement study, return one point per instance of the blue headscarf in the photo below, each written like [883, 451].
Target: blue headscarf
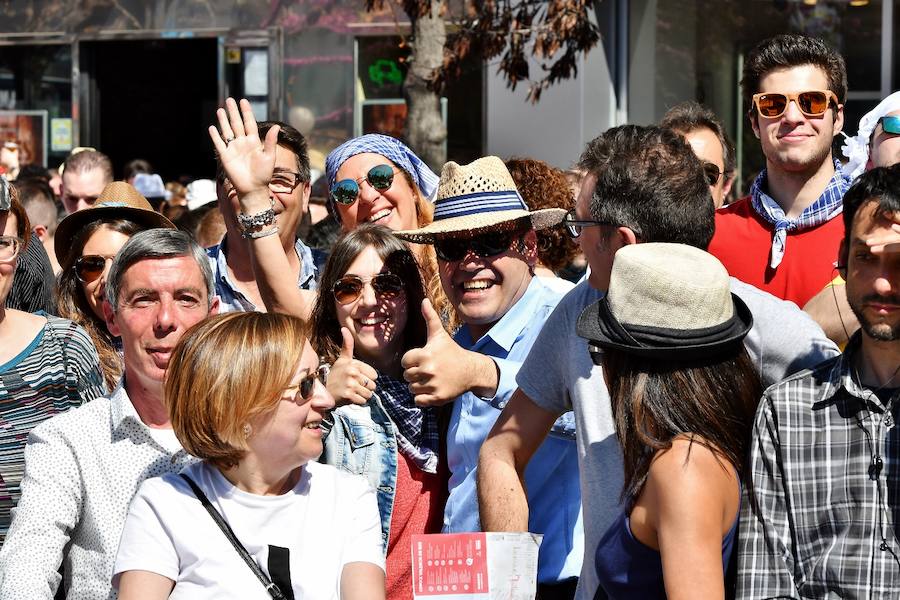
[392, 149]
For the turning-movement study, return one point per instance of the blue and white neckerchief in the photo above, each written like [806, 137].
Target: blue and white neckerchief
[826, 207]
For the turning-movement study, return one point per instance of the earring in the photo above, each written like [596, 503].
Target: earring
[246, 430]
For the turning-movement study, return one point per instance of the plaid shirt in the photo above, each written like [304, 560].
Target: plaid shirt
[818, 516]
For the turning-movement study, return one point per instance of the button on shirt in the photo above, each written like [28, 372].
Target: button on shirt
[81, 470]
[554, 494]
[819, 518]
[231, 299]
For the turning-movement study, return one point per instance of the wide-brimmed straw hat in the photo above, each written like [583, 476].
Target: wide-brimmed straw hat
[478, 197]
[667, 301]
[119, 200]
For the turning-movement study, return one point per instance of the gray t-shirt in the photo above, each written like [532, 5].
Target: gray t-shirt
[559, 375]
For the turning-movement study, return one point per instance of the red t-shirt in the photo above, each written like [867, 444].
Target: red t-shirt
[418, 508]
[743, 242]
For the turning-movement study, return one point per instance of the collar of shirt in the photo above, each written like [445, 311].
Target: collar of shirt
[226, 287]
[842, 384]
[126, 422]
[507, 330]
[827, 206]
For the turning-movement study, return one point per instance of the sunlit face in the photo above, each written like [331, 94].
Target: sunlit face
[291, 435]
[885, 147]
[80, 189]
[8, 226]
[103, 242]
[483, 289]
[159, 299]
[376, 322]
[873, 281]
[708, 148]
[395, 207]
[794, 142]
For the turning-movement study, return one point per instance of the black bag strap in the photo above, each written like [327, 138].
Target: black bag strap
[274, 591]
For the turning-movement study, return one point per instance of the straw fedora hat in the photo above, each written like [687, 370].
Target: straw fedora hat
[119, 200]
[667, 301]
[478, 197]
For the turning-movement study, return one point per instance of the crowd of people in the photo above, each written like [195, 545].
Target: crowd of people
[203, 394]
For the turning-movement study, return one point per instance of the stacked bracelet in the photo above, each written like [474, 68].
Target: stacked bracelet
[254, 223]
[255, 235]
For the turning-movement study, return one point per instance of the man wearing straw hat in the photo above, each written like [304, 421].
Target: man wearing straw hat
[484, 238]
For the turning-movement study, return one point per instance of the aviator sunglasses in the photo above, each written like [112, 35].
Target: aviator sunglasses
[813, 103]
[349, 288]
[89, 268]
[307, 384]
[346, 191]
[890, 124]
[485, 246]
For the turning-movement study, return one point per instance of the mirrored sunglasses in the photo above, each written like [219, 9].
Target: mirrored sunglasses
[10, 246]
[349, 288]
[485, 246]
[346, 191]
[812, 103]
[890, 124]
[89, 268]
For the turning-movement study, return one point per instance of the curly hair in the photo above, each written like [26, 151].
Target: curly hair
[542, 186]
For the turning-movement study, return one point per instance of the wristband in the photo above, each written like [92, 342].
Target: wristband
[255, 235]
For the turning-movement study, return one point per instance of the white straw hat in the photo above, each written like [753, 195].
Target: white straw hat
[478, 197]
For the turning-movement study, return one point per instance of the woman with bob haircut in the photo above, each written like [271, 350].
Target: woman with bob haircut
[683, 393]
[244, 396]
[372, 179]
[366, 317]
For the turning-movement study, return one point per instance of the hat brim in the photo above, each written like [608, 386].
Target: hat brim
[477, 223]
[678, 345]
[72, 224]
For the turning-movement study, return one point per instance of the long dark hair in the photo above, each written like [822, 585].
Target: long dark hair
[326, 330]
[654, 401]
[71, 303]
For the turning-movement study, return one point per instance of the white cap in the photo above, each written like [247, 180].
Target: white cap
[856, 148]
[200, 192]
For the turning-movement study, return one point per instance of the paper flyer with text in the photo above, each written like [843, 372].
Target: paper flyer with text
[475, 566]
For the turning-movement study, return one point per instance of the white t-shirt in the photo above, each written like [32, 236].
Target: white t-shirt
[305, 536]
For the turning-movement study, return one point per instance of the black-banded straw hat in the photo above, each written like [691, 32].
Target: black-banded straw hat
[476, 198]
[667, 301]
[118, 200]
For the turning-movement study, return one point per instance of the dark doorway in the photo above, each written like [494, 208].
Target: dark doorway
[151, 99]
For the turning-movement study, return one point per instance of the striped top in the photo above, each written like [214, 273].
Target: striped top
[58, 370]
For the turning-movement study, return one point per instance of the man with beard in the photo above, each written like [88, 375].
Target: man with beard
[818, 519]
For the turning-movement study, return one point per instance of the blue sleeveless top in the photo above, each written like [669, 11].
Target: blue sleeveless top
[628, 569]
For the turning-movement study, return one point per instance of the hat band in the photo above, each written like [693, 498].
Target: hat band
[661, 341]
[480, 202]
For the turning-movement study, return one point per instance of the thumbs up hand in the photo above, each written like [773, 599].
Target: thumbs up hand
[442, 370]
[350, 380]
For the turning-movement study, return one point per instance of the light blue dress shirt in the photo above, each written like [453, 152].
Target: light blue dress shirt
[231, 299]
[551, 478]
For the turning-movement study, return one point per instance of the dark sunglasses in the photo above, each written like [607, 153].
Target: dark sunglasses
[346, 191]
[890, 124]
[485, 246]
[307, 384]
[89, 268]
[813, 103]
[712, 173]
[349, 288]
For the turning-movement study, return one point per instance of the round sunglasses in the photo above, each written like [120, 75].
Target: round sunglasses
[89, 268]
[812, 103]
[485, 246]
[711, 172]
[346, 191]
[349, 288]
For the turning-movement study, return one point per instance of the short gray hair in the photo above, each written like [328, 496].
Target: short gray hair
[156, 244]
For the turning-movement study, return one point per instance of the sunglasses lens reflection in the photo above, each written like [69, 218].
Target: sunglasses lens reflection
[380, 177]
[89, 268]
[345, 192]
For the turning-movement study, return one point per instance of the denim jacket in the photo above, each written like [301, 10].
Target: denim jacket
[362, 439]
